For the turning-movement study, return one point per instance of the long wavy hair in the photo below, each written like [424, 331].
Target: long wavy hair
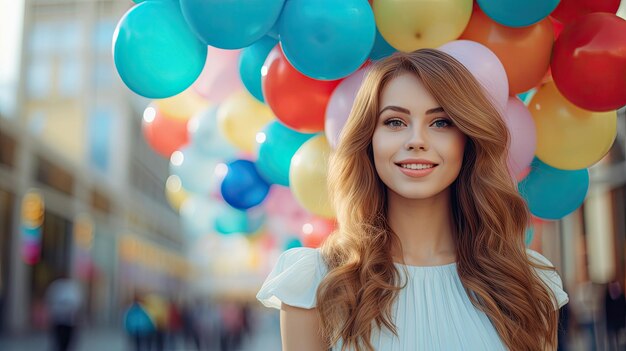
[490, 218]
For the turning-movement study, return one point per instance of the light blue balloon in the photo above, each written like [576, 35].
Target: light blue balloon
[381, 48]
[232, 24]
[327, 39]
[250, 63]
[195, 170]
[206, 138]
[155, 52]
[517, 13]
[553, 193]
[276, 151]
[198, 214]
[231, 220]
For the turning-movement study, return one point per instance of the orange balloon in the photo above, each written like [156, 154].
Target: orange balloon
[524, 52]
[164, 135]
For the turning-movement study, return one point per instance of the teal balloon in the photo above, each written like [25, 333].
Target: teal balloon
[292, 244]
[231, 220]
[381, 48]
[232, 24]
[206, 138]
[517, 13]
[195, 170]
[276, 151]
[553, 193]
[327, 39]
[530, 233]
[154, 51]
[527, 96]
[250, 63]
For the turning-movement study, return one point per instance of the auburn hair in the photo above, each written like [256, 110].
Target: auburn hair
[490, 218]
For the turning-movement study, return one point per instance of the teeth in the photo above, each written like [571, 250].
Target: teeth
[416, 166]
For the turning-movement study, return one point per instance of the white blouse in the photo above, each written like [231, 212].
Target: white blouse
[433, 311]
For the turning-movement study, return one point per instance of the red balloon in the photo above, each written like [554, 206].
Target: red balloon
[570, 10]
[557, 27]
[316, 230]
[297, 100]
[164, 135]
[589, 62]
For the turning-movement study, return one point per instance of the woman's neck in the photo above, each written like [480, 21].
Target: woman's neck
[424, 227]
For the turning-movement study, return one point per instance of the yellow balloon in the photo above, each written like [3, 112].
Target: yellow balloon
[181, 106]
[307, 176]
[240, 117]
[569, 137]
[411, 25]
[174, 192]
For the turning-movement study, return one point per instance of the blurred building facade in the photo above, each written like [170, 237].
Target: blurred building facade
[74, 135]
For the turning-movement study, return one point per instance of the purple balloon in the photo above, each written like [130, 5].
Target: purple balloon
[340, 105]
[485, 66]
[521, 126]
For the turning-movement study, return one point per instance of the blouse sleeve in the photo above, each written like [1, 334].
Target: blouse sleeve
[550, 278]
[294, 279]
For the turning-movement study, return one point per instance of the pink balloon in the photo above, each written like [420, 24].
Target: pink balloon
[523, 136]
[340, 104]
[220, 76]
[280, 204]
[484, 65]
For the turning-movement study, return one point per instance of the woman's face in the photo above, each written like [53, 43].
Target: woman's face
[418, 152]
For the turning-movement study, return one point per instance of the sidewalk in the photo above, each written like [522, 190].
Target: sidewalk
[266, 338]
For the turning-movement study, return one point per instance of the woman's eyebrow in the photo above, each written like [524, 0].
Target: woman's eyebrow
[435, 110]
[395, 108]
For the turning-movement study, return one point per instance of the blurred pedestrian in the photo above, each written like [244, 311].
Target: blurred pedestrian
[64, 299]
[138, 325]
[584, 313]
[157, 309]
[615, 313]
[174, 325]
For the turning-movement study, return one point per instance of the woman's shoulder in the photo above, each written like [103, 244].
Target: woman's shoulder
[294, 279]
[550, 277]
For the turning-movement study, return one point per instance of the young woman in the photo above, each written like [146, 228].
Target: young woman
[429, 254]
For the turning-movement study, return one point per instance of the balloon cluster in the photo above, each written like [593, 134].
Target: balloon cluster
[251, 96]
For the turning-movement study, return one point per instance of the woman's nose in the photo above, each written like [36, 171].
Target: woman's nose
[416, 139]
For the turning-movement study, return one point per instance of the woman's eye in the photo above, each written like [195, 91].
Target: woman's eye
[442, 123]
[394, 123]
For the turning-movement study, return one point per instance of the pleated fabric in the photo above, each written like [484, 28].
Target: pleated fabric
[432, 312]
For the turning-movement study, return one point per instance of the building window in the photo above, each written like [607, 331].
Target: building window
[99, 131]
[39, 77]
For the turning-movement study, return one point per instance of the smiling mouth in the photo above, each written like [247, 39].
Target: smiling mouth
[416, 166]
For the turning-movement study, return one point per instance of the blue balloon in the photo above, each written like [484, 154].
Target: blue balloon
[250, 63]
[206, 137]
[195, 170]
[381, 48]
[553, 193]
[243, 187]
[516, 13]
[155, 52]
[276, 150]
[327, 39]
[232, 24]
[231, 220]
